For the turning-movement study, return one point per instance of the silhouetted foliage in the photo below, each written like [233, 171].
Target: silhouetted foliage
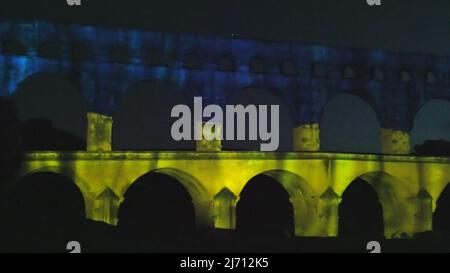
[40, 135]
[10, 140]
[433, 148]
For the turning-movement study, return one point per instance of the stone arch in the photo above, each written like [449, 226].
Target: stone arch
[44, 209]
[360, 211]
[45, 96]
[143, 118]
[259, 96]
[441, 215]
[431, 122]
[395, 198]
[200, 196]
[78, 181]
[349, 124]
[301, 196]
[14, 47]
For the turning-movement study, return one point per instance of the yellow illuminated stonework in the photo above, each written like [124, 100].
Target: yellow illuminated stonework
[407, 186]
[307, 138]
[208, 142]
[395, 142]
[99, 132]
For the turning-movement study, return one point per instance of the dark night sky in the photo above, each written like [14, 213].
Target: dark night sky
[399, 25]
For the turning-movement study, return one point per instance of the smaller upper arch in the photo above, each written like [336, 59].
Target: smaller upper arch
[349, 123]
[14, 47]
[431, 122]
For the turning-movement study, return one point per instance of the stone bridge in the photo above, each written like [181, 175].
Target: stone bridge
[407, 186]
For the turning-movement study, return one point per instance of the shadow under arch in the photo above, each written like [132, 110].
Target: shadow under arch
[78, 181]
[395, 198]
[360, 212]
[255, 95]
[300, 196]
[142, 120]
[83, 187]
[162, 206]
[45, 95]
[43, 211]
[441, 215]
[349, 124]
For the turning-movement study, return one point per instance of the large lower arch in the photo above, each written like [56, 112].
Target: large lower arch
[177, 201]
[395, 198]
[349, 124]
[360, 212]
[45, 211]
[290, 188]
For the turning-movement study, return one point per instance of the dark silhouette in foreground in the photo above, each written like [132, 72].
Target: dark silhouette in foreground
[433, 148]
[40, 135]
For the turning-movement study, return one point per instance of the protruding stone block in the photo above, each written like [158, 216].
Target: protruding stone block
[225, 209]
[208, 143]
[99, 133]
[424, 211]
[109, 206]
[307, 138]
[395, 142]
[329, 203]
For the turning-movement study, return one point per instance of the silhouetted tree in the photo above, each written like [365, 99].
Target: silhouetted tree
[10, 141]
[433, 148]
[39, 134]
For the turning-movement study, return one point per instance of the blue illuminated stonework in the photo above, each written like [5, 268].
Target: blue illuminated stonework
[104, 63]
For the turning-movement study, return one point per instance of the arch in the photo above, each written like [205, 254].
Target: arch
[143, 118]
[45, 210]
[195, 188]
[289, 68]
[199, 193]
[394, 196]
[302, 197]
[256, 96]
[14, 47]
[66, 172]
[360, 211]
[349, 124]
[46, 96]
[160, 209]
[441, 215]
[225, 62]
[257, 65]
[192, 60]
[431, 122]
[50, 49]
[264, 209]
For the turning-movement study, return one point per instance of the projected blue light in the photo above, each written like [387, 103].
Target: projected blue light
[103, 80]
